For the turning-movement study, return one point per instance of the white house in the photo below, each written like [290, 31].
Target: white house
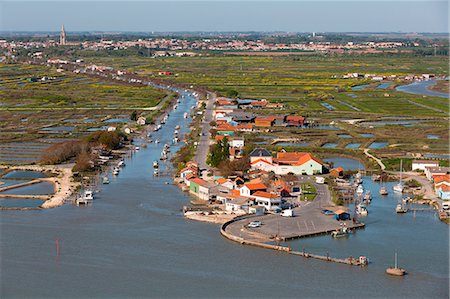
[294, 162]
[260, 154]
[267, 200]
[421, 164]
[249, 189]
[239, 204]
[237, 142]
[430, 171]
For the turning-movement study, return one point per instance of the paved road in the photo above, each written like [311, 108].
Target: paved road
[308, 220]
[204, 142]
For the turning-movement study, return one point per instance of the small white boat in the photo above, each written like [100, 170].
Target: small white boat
[155, 172]
[121, 163]
[105, 180]
[155, 164]
[398, 188]
[339, 233]
[86, 198]
[177, 127]
[156, 141]
[185, 115]
[368, 196]
[401, 209]
[137, 148]
[362, 210]
[360, 190]
[383, 191]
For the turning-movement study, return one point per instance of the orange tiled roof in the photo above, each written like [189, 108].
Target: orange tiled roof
[265, 194]
[441, 178]
[257, 186]
[198, 181]
[296, 158]
[260, 160]
[444, 188]
[221, 181]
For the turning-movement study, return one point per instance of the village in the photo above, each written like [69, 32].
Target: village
[284, 183]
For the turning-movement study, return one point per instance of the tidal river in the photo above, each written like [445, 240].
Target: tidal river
[133, 242]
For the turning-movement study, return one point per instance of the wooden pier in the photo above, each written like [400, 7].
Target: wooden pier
[361, 261]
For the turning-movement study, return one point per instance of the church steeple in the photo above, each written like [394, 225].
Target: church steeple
[62, 36]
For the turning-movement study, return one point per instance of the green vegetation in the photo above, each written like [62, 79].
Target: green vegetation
[308, 191]
[218, 152]
[68, 91]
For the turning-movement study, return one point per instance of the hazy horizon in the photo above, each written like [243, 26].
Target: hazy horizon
[217, 16]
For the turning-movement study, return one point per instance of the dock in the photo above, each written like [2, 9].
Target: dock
[360, 261]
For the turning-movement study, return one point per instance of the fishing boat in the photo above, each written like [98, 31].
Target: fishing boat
[155, 164]
[401, 208]
[399, 187]
[383, 191]
[396, 271]
[362, 210]
[360, 190]
[368, 196]
[105, 180]
[86, 198]
[341, 232]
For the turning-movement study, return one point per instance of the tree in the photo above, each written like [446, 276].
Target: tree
[133, 115]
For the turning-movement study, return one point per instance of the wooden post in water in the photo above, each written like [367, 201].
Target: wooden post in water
[57, 247]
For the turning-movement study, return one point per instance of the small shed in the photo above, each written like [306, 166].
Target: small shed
[342, 214]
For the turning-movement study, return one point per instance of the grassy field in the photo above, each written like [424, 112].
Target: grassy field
[68, 90]
[302, 83]
[34, 115]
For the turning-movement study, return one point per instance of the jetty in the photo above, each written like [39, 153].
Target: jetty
[224, 230]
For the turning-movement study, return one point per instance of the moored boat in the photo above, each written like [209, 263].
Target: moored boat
[341, 232]
[401, 208]
[105, 180]
[396, 271]
[383, 191]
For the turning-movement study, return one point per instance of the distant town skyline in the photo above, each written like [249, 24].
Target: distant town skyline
[183, 16]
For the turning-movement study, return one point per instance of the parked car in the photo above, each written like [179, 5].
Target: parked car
[327, 212]
[254, 224]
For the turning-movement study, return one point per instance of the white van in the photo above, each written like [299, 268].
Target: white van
[287, 213]
[446, 205]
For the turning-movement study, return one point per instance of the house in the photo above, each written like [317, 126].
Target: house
[242, 117]
[264, 121]
[267, 200]
[249, 189]
[431, 171]
[295, 121]
[297, 163]
[237, 142]
[225, 183]
[421, 164]
[337, 172]
[141, 120]
[260, 154]
[244, 128]
[443, 192]
[238, 204]
[201, 188]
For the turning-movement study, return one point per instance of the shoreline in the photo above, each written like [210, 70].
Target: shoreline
[63, 184]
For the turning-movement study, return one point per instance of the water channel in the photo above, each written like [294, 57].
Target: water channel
[133, 242]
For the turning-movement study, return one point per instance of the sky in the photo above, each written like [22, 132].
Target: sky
[214, 15]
